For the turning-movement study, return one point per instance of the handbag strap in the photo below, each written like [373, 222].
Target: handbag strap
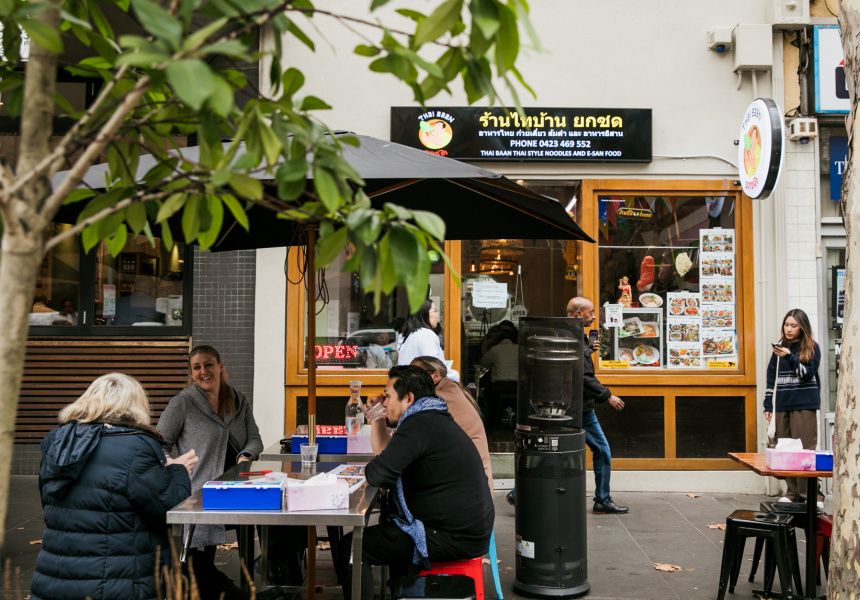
[775, 382]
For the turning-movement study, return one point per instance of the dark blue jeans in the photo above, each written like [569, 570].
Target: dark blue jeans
[601, 456]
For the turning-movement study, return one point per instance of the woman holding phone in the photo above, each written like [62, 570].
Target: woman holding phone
[798, 390]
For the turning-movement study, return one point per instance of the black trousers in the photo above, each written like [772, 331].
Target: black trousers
[386, 544]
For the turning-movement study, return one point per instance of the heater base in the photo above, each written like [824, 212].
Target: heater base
[535, 591]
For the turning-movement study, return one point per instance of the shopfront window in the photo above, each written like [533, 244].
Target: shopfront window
[96, 293]
[350, 334]
[142, 286]
[668, 273]
[55, 300]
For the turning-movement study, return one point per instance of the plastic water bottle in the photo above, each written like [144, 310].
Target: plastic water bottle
[354, 415]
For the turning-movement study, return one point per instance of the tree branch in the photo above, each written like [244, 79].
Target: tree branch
[79, 169]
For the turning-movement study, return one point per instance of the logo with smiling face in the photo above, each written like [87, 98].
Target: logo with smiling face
[752, 150]
[435, 133]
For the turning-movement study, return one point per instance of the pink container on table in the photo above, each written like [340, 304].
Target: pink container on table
[789, 460]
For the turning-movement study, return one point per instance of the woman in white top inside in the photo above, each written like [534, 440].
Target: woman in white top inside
[420, 339]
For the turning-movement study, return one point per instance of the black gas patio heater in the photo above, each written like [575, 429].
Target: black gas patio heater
[550, 460]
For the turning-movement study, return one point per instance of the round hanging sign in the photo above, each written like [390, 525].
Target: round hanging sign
[761, 148]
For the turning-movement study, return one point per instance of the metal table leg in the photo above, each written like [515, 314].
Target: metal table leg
[809, 588]
[357, 534]
[264, 557]
[246, 553]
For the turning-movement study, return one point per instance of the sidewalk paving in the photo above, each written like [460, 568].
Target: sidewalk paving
[622, 549]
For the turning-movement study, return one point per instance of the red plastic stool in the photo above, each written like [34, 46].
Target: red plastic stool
[473, 567]
[825, 527]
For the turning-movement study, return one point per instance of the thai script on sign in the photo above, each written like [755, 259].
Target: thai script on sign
[546, 120]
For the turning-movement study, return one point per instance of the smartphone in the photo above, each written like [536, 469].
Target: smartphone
[592, 337]
[776, 345]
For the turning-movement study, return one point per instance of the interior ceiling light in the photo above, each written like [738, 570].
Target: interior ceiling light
[498, 267]
[507, 247]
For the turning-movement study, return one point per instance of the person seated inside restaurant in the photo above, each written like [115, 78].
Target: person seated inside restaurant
[375, 357]
[502, 359]
[139, 306]
[442, 506]
[170, 285]
[40, 304]
[70, 310]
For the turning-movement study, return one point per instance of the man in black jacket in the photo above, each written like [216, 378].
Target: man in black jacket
[593, 391]
[442, 509]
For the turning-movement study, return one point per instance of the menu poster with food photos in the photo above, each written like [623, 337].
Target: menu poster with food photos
[683, 304]
[717, 240]
[718, 315]
[718, 344]
[717, 264]
[686, 355]
[684, 330]
[717, 290]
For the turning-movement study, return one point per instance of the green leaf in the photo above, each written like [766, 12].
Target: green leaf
[167, 235]
[416, 291]
[404, 253]
[330, 247]
[192, 79]
[201, 35]
[295, 169]
[507, 41]
[301, 35]
[411, 14]
[363, 50]
[397, 211]
[377, 3]
[220, 177]
[157, 21]
[246, 186]
[135, 216]
[236, 210]
[78, 195]
[116, 242]
[99, 19]
[73, 19]
[216, 212]
[170, 206]
[221, 100]
[140, 58]
[292, 81]
[440, 21]
[431, 223]
[233, 48]
[313, 103]
[191, 218]
[326, 188]
[485, 15]
[447, 260]
[42, 35]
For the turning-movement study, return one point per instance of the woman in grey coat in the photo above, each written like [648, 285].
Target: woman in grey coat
[216, 421]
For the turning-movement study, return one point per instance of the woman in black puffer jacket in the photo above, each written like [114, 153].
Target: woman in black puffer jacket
[106, 487]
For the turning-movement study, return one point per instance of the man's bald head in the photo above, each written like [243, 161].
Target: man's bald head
[581, 308]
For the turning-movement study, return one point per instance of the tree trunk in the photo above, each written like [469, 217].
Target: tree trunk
[23, 241]
[844, 577]
[20, 260]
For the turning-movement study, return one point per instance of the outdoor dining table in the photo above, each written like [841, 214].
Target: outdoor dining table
[191, 512]
[273, 452]
[756, 462]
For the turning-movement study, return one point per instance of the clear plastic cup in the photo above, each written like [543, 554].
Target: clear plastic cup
[309, 453]
[377, 411]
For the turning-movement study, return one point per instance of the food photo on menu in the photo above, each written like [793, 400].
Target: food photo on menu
[684, 304]
[718, 315]
[717, 240]
[717, 265]
[719, 343]
[715, 290]
[685, 355]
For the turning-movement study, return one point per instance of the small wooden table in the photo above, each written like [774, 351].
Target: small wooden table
[756, 462]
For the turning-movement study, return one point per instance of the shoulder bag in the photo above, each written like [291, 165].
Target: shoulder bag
[771, 427]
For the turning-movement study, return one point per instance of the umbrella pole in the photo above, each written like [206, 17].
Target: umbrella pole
[312, 336]
[312, 392]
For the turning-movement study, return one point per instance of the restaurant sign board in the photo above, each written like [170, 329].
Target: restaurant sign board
[538, 134]
[761, 148]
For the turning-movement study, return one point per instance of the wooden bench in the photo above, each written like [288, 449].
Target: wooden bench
[58, 370]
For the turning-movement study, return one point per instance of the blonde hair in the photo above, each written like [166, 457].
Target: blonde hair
[432, 364]
[111, 396]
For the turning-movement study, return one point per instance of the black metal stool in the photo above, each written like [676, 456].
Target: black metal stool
[796, 509]
[777, 529]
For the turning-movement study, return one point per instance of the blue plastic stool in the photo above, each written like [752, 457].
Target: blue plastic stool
[494, 565]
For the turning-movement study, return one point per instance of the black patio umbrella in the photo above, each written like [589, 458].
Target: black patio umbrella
[474, 203]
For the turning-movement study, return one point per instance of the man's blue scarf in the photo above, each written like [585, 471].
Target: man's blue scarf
[407, 523]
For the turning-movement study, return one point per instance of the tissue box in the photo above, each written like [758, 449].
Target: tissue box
[823, 461]
[323, 496]
[789, 460]
[328, 444]
[358, 444]
[242, 495]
